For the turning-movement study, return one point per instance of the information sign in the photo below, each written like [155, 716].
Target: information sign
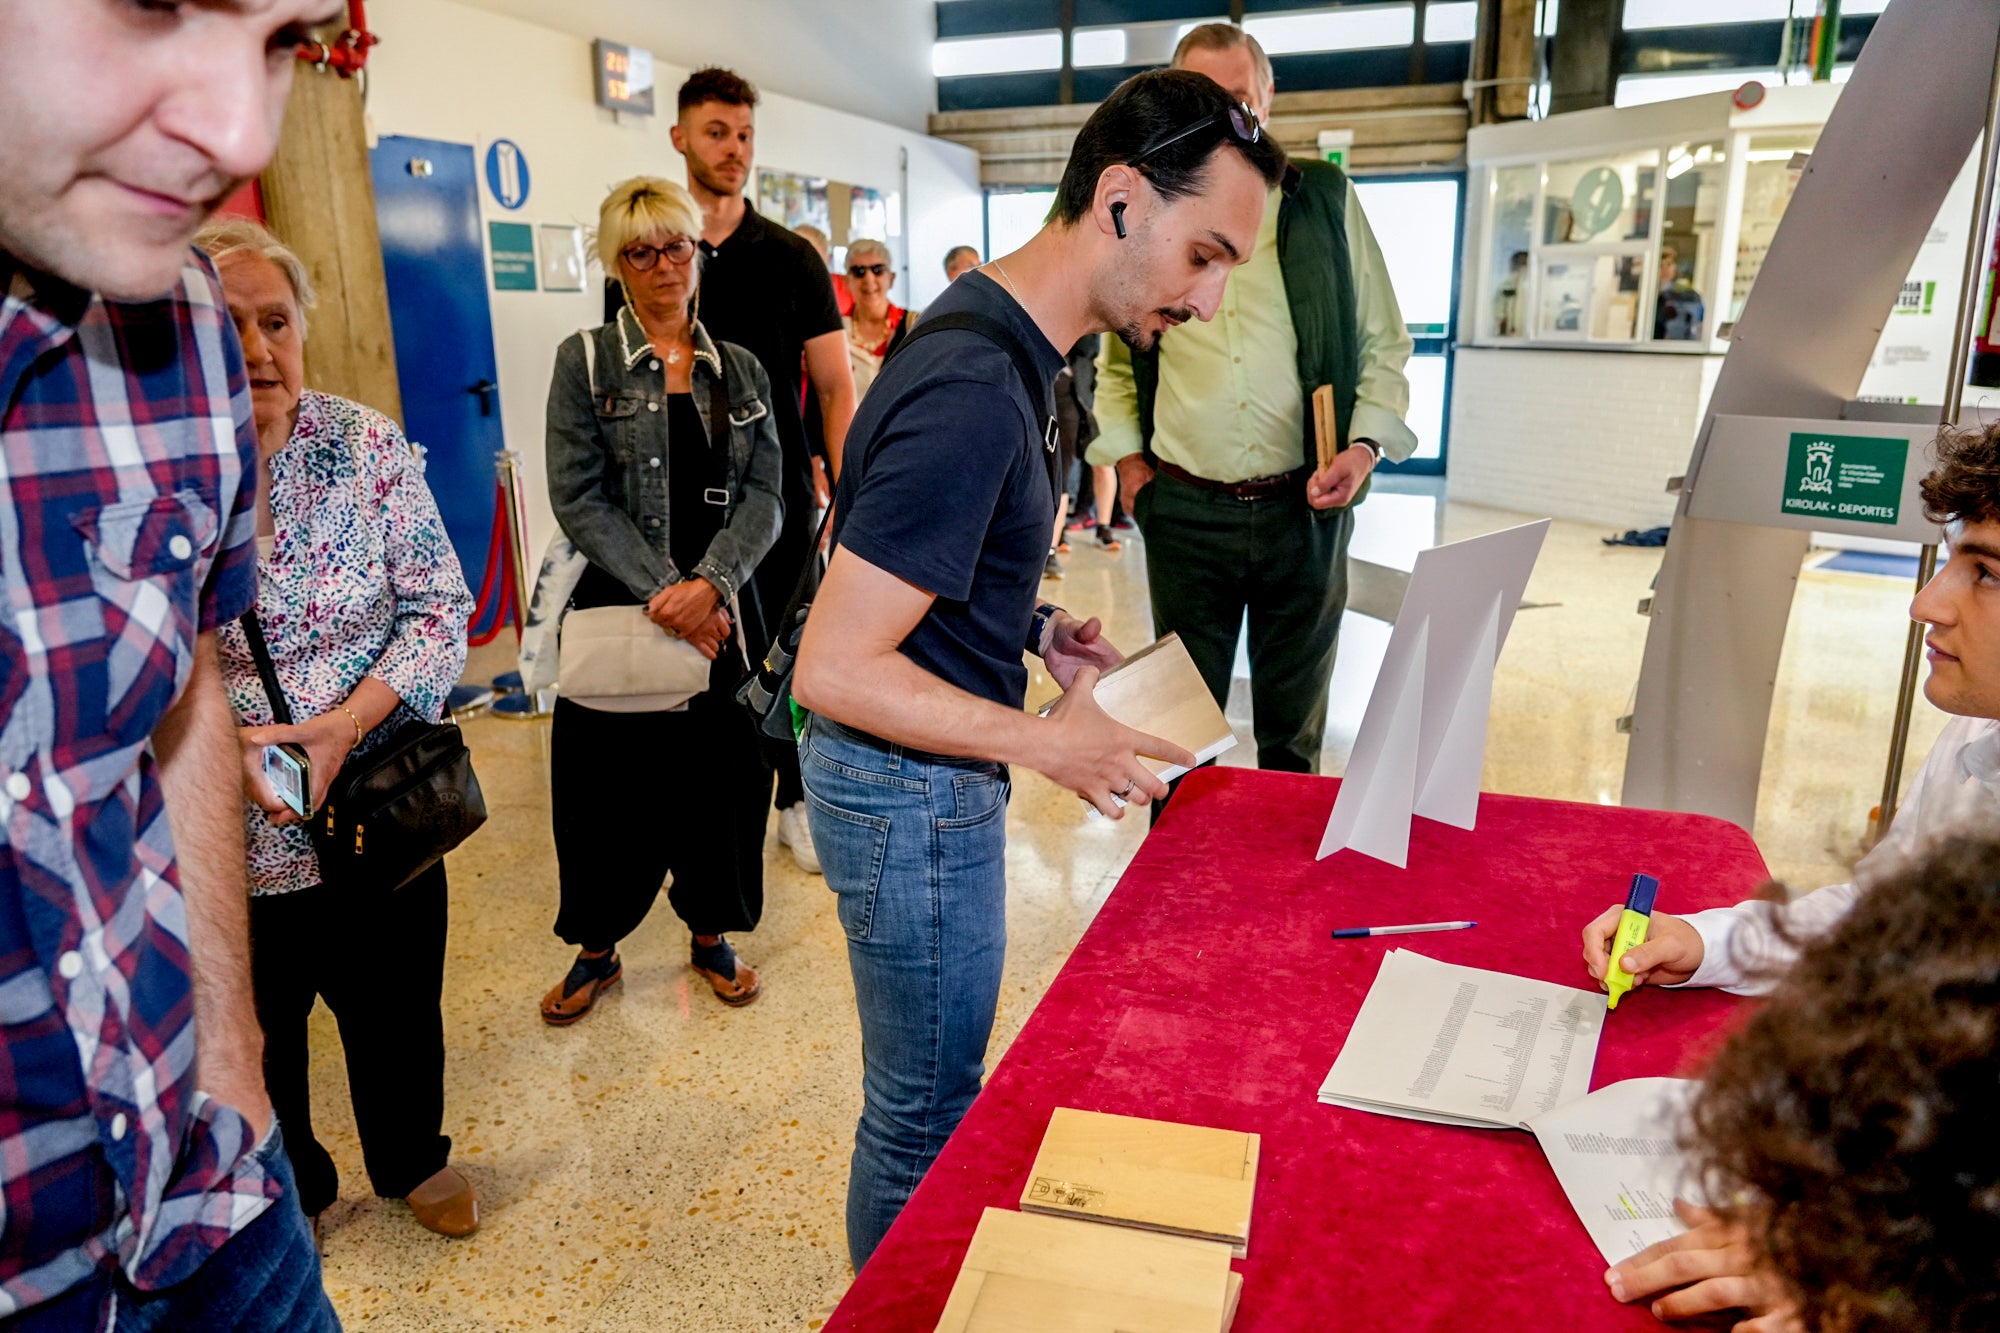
[1858, 478]
[507, 173]
[513, 247]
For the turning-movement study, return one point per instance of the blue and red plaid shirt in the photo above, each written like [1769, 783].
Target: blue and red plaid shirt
[127, 452]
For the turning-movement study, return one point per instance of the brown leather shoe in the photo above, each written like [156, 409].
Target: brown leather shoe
[737, 987]
[446, 1204]
[574, 995]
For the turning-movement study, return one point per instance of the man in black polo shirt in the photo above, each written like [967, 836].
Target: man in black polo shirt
[769, 292]
[912, 660]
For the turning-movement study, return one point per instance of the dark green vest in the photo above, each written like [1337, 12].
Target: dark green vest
[1319, 288]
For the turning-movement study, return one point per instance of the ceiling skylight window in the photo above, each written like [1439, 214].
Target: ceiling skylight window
[1014, 54]
[1352, 28]
[1451, 22]
[1642, 14]
[1091, 48]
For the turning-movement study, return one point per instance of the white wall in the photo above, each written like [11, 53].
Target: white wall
[507, 79]
[1592, 436]
[868, 57]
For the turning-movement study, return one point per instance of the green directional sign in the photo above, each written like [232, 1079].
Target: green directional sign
[1855, 478]
[1597, 201]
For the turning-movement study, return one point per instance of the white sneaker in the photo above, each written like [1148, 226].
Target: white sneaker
[795, 832]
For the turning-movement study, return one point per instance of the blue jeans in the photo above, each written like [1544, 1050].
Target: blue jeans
[915, 847]
[264, 1280]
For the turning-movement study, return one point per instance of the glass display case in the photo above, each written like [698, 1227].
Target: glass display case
[1649, 243]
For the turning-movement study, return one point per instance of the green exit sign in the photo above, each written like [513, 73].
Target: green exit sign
[1334, 146]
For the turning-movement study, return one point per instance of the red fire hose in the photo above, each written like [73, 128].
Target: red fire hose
[348, 54]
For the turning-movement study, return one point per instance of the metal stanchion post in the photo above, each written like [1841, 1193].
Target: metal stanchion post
[1977, 248]
[516, 702]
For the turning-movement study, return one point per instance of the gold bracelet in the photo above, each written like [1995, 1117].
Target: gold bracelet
[358, 732]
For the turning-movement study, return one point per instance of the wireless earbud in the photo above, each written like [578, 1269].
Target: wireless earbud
[1118, 219]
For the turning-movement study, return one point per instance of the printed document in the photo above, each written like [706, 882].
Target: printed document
[1463, 1046]
[1617, 1155]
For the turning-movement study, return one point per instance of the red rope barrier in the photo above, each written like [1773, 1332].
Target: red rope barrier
[497, 594]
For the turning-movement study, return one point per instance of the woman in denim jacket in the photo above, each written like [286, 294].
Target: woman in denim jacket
[673, 511]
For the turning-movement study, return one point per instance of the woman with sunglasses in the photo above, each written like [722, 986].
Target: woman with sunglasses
[877, 325]
[664, 471]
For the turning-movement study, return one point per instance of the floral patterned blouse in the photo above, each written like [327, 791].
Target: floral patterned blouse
[361, 581]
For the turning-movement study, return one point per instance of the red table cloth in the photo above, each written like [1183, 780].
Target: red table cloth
[1208, 991]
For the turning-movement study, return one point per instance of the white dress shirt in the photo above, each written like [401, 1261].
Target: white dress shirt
[1956, 791]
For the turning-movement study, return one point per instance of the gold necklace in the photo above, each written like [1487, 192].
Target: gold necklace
[1019, 299]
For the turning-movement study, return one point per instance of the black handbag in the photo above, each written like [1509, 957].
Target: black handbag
[397, 810]
[768, 692]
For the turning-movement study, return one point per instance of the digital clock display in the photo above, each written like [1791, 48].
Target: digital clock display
[624, 77]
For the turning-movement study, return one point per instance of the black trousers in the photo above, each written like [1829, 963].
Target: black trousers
[1212, 559]
[639, 796]
[377, 959]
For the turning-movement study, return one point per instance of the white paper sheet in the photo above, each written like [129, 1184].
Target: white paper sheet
[1617, 1155]
[1464, 1046]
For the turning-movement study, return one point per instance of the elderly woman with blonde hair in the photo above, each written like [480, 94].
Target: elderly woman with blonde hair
[362, 608]
[664, 472]
[877, 325]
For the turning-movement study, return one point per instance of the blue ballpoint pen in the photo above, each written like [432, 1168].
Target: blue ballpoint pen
[1363, 932]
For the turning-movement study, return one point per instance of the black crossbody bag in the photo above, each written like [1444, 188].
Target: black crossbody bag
[768, 692]
[397, 810]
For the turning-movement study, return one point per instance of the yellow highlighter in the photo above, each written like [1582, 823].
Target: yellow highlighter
[1632, 927]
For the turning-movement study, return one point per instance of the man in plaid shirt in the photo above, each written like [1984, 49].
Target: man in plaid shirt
[142, 1186]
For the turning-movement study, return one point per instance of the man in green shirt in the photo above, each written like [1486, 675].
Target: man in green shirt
[1212, 434]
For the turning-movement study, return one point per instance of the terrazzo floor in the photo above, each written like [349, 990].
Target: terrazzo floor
[671, 1164]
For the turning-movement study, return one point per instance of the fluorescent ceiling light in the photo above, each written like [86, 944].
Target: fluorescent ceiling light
[1015, 54]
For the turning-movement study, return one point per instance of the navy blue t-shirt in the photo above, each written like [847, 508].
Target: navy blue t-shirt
[944, 486]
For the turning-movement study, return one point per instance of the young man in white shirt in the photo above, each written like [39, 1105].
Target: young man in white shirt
[1745, 949]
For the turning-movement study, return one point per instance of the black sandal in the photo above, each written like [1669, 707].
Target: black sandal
[577, 992]
[733, 981]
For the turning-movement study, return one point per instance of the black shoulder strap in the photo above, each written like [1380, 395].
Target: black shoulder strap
[1031, 380]
[266, 672]
[1000, 335]
[1024, 365]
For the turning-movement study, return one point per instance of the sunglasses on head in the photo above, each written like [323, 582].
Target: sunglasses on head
[857, 270]
[643, 257]
[1239, 121]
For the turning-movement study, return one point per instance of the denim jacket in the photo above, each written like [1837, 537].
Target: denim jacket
[607, 458]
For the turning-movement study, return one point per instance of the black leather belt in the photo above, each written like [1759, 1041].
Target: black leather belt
[1257, 488]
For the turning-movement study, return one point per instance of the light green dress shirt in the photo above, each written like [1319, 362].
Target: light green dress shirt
[1230, 405]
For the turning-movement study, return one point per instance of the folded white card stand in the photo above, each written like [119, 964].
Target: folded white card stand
[1423, 739]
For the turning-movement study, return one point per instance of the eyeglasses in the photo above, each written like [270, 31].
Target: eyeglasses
[1239, 120]
[857, 270]
[643, 257]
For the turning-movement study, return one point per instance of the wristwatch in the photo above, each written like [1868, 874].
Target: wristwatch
[1371, 447]
[1041, 625]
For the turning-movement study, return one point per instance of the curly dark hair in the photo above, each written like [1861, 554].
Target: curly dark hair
[715, 84]
[1852, 1118]
[1965, 487]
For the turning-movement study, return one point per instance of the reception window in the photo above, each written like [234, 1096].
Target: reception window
[1635, 248]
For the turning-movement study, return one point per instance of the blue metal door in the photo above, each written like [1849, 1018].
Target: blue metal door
[427, 205]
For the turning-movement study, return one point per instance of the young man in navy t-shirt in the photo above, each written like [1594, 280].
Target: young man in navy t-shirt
[911, 662]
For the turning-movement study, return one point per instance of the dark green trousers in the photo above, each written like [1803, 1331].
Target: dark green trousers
[1211, 560]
